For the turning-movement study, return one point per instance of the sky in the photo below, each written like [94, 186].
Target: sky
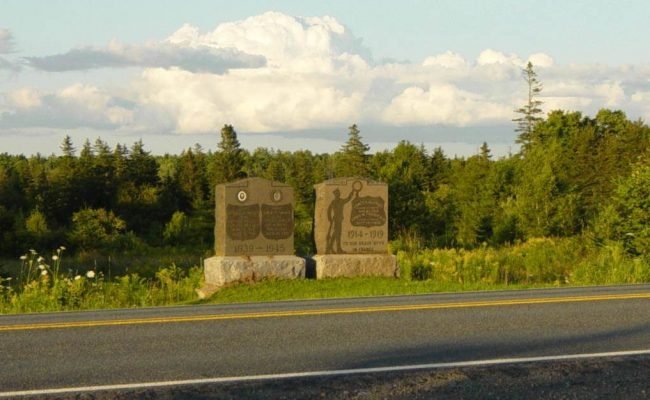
[293, 75]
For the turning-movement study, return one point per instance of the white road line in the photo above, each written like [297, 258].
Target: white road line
[233, 379]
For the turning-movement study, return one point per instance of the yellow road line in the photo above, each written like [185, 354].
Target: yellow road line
[297, 313]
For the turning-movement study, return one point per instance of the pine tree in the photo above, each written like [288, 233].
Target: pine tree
[353, 159]
[485, 152]
[191, 176]
[229, 160]
[142, 168]
[86, 151]
[531, 111]
[67, 148]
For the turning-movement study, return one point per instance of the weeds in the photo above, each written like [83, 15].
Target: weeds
[42, 287]
[537, 261]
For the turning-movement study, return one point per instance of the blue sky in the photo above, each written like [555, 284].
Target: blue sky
[434, 72]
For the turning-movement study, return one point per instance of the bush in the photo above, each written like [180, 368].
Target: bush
[421, 272]
[538, 261]
[96, 229]
[176, 228]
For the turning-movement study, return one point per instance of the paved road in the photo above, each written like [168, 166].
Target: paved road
[182, 343]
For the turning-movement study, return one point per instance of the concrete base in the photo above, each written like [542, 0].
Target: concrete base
[352, 265]
[223, 270]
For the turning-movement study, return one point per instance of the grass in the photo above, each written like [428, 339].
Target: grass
[42, 283]
[278, 290]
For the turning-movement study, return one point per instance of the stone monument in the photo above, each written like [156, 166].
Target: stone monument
[351, 229]
[253, 234]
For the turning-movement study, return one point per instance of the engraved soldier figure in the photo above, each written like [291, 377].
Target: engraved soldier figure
[335, 218]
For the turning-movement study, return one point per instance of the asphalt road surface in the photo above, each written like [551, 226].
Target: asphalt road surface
[171, 344]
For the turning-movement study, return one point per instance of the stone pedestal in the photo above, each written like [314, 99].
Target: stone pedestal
[223, 270]
[353, 265]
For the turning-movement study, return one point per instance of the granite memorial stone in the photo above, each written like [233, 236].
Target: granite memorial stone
[351, 229]
[253, 234]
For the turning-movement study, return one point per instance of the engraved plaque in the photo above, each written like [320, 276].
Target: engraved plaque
[368, 211]
[277, 221]
[242, 222]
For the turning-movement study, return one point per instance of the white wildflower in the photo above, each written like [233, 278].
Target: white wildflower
[41, 267]
[55, 257]
[32, 251]
[76, 278]
[90, 274]
[62, 248]
[44, 272]
[23, 258]
[40, 259]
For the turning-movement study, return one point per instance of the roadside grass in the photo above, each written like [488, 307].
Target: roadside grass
[537, 263]
[279, 290]
[47, 283]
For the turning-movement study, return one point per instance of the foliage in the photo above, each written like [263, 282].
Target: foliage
[176, 227]
[627, 219]
[96, 228]
[36, 223]
[542, 261]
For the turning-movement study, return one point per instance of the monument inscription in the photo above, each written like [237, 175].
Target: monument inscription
[351, 217]
[277, 221]
[254, 217]
[242, 222]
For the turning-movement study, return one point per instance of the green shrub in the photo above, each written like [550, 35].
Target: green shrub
[96, 229]
[421, 272]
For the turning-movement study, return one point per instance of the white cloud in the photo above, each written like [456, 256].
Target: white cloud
[254, 101]
[581, 94]
[541, 60]
[316, 44]
[25, 98]
[490, 57]
[317, 75]
[443, 104]
[448, 59]
[72, 107]
[566, 103]
[641, 101]
[641, 97]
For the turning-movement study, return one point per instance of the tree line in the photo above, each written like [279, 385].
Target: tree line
[574, 175]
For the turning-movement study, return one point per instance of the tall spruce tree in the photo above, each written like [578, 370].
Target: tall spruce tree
[229, 160]
[531, 111]
[353, 160]
[67, 148]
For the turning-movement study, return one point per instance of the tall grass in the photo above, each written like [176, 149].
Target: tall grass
[43, 287]
[538, 261]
